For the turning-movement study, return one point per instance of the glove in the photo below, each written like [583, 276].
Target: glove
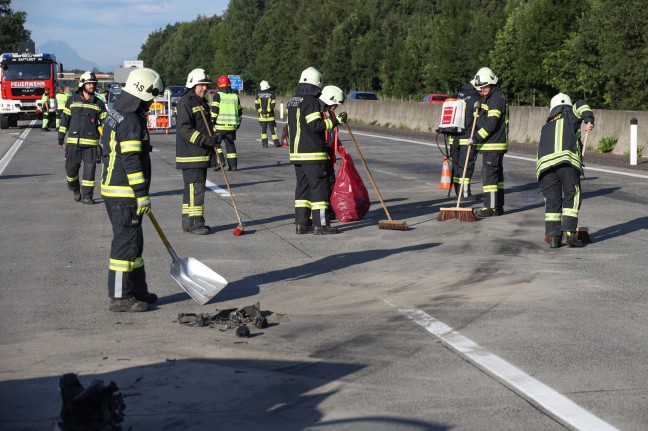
[60, 142]
[342, 117]
[470, 142]
[264, 113]
[210, 142]
[143, 205]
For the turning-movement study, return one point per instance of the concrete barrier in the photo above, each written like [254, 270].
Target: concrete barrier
[525, 122]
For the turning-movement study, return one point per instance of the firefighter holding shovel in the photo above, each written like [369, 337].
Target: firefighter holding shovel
[125, 183]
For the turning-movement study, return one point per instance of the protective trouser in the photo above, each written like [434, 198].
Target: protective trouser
[312, 194]
[193, 198]
[74, 156]
[493, 179]
[458, 155]
[272, 125]
[126, 275]
[59, 113]
[230, 148]
[45, 119]
[562, 193]
[330, 178]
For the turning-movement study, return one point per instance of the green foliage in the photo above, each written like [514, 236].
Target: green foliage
[591, 49]
[12, 28]
[607, 144]
[639, 152]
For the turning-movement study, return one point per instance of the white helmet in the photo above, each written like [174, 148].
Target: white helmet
[559, 99]
[264, 85]
[86, 78]
[484, 77]
[311, 76]
[332, 95]
[197, 76]
[144, 83]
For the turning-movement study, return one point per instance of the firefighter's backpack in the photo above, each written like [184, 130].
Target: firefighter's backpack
[453, 117]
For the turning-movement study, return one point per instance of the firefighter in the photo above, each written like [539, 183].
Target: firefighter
[125, 183]
[81, 120]
[265, 104]
[559, 167]
[194, 147]
[330, 98]
[491, 139]
[306, 129]
[45, 108]
[226, 112]
[61, 98]
[459, 147]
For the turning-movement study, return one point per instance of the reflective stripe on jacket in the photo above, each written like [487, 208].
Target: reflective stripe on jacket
[192, 132]
[126, 168]
[491, 132]
[306, 127]
[560, 137]
[81, 120]
[226, 111]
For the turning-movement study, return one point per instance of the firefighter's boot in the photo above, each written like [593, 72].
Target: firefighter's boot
[77, 196]
[555, 241]
[571, 239]
[324, 230]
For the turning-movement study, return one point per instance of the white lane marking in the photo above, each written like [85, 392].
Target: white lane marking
[14, 148]
[554, 404]
[216, 189]
[587, 168]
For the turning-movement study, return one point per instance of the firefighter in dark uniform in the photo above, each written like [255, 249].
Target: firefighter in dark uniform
[459, 147]
[194, 147]
[82, 118]
[226, 112]
[125, 182]
[330, 98]
[306, 129]
[559, 167]
[491, 139]
[265, 104]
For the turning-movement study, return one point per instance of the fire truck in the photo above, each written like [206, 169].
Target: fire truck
[24, 78]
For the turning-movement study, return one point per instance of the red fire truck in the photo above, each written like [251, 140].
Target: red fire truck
[23, 80]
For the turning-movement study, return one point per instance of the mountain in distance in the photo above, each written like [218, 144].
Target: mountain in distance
[68, 56]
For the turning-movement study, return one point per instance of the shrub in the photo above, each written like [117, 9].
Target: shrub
[607, 144]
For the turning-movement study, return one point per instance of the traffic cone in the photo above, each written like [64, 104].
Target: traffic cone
[284, 138]
[446, 176]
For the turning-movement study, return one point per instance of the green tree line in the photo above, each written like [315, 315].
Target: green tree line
[403, 49]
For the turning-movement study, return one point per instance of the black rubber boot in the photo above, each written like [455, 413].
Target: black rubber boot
[88, 201]
[572, 240]
[554, 241]
[301, 229]
[77, 196]
[485, 212]
[200, 230]
[324, 230]
[128, 305]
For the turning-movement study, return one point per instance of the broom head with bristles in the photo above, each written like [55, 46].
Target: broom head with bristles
[461, 214]
[582, 233]
[392, 224]
[238, 230]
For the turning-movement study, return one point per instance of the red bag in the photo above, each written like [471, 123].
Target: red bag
[350, 199]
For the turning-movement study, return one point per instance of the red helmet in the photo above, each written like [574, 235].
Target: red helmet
[223, 81]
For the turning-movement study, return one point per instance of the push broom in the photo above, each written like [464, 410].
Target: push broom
[382, 224]
[238, 231]
[462, 214]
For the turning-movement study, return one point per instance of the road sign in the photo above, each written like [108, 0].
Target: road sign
[236, 82]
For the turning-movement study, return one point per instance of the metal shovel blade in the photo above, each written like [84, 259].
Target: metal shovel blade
[197, 279]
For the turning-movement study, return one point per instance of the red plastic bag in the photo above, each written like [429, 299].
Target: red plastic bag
[350, 199]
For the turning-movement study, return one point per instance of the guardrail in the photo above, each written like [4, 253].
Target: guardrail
[525, 122]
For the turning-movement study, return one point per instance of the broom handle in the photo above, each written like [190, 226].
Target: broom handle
[584, 144]
[222, 169]
[368, 171]
[463, 176]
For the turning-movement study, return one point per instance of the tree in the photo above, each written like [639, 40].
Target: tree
[12, 28]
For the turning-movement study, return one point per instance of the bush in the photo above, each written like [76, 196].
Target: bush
[639, 152]
[607, 144]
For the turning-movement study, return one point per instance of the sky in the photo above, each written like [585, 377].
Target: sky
[107, 32]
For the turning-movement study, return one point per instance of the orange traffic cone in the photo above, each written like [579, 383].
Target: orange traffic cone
[284, 138]
[446, 176]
